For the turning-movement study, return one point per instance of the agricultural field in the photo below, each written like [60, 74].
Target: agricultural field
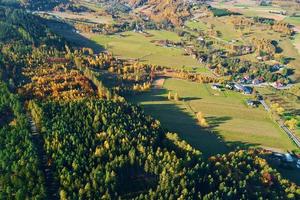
[132, 45]
[232, 122]
[251, 9]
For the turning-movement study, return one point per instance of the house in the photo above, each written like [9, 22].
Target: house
[247, 90]
[230, 86]
[258, 81]
[276, 68]
[238, 87]
[216, 87]
[278, 84]
[246, 80]
[252, 103]
[259, 58]
[244, 89]
[200, 38]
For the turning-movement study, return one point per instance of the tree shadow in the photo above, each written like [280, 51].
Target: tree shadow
[68, 32]
[175, 117]
[6, 116]
[190, 98]
[215, 122]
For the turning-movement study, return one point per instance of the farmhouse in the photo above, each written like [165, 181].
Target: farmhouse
[252, 103]
[243, 89]
[258, 81]
[216, 87]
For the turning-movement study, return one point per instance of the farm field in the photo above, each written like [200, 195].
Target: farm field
[250, 9]
[231, 121]
[132, 45]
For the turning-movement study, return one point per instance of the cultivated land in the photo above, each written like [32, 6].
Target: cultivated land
[232, 122]
[251, 9]
[134, 45]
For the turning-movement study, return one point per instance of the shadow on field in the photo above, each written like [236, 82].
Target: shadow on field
[175, 117]
[215, 122]
[68, 32]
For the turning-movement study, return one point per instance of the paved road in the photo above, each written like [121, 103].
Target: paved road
[290, 134]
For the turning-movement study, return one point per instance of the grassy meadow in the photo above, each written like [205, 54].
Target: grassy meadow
[232, 122]
[134, 45]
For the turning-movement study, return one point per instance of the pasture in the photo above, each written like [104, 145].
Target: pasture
[250, 9]
[232, 122]
[132, 45]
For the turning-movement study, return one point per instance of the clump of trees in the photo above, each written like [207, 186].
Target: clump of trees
[283, 27]
[291, 123]
[174, 97]
[201, 119]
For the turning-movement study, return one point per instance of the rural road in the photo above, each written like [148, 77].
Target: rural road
[290, 134]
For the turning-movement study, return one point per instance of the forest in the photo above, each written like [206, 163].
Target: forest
[20, 177]
[97, 144]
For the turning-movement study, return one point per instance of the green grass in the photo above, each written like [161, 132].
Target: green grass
[198, 25]
[138, 46]
[233, 123]
[293, 20]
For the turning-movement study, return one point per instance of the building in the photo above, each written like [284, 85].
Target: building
[244, 89]
[216, 87]
[252, 103]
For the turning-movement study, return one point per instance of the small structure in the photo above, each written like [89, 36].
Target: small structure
[252, 103]
[216, 87]
[258, 81]
[244, 89]
[276, 68]
[230, 86]
[247, 90]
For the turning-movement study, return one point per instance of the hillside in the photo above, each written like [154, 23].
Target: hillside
[90, 142]
[174, 11]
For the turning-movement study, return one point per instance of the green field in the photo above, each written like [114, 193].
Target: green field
[198, 25]
[293, 20]
[232, 122]
[138, 46]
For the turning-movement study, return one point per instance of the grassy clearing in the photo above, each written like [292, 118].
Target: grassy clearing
[198, 25]
[232, 122]
[251, 9]
[293, 20]
[137, 46]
